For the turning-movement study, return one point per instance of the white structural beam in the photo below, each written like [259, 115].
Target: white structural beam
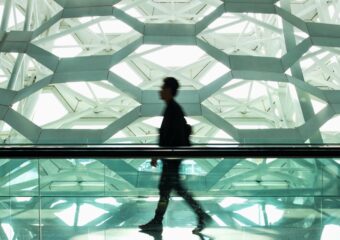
[243, 65]
[6, 14]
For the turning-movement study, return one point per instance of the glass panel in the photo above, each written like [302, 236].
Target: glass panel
[73, 217]
[258, 198]
[68, 177]
[4, 177]
[24, 179]
[19, 177]
[330, 176]
[19, 218]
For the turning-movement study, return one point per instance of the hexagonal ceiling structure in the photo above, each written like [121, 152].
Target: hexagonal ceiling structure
[89, 72]
[255, 71]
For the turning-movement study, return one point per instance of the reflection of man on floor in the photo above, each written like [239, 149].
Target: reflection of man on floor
[173, 132]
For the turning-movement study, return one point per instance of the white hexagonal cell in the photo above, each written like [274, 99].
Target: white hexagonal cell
[248, 104]
[77, 105]
[28, 72]
[167, 11]
[321, 67]
[17, 13]
[330, 131]
[145, 130]
[149, 64]
[86, 36]
[8, 135]
[316, 11]
[252, 34]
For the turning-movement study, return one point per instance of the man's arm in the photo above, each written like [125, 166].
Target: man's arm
[154, 162]
[173, 128]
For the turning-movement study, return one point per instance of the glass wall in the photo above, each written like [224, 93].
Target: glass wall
[260, 198]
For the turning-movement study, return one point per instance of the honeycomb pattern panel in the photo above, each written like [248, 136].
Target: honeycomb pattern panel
[316, 11]
[27, 15]
[150, 63]
[185, 12]
[274, 62]
[25, 73]
[86, 36]
[252, 34]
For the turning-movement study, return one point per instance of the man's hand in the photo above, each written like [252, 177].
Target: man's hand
[154, 162]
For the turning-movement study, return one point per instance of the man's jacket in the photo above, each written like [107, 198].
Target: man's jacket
[173, 131]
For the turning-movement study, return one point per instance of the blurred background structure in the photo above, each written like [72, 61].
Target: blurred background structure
[88, 72]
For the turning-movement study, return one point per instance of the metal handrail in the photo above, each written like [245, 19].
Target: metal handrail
[149, 151]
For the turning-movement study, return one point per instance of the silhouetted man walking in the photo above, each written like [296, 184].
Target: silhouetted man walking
[173, 132]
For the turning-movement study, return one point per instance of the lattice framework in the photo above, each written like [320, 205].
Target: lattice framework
[293, 59]
[197, 99]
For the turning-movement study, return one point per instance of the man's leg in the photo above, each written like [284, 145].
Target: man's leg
[164, 196]
[164, 188]
[202, 218]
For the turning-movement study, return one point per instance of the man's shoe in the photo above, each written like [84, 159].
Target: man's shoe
[203, 221]
[153, 225]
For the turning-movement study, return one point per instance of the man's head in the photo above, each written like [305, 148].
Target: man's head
[169, 88]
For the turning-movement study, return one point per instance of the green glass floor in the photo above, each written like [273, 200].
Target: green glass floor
[81, 218]
[252, 198]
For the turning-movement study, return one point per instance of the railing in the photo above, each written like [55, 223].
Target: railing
[122, 170]
[145, 151]
[92, 192]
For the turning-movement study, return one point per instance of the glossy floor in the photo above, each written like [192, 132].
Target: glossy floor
[117, 218]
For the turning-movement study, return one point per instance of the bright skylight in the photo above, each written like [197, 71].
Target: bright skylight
[247, 89]
[330, 232]
[255, 214]
[154, 121]
[89, 126]
[66, 46]
[175, 56]
[120, 134]
[3, 77]
[258, 125]
[48, 109]
[136, 14]
[318, 105]
[101, 92]
[67, 215]
[218, 220]
[26, 176]
[145, 48]
[274, 214]
[126, 72]
[15, 17]
[8, 229]
[109, 200]
[157, 121]
[216, 71]
[23, 199]
[81, 88]
[230, 24]
[191, 121]
[110, 26]
[223, 137]
[332, 125]
[57, 203]
[229, 201]
[92, 90]
[167, 11]
[88, 212]
[5, 127]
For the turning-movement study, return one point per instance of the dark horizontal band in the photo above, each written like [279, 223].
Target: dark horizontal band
[144, 151]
